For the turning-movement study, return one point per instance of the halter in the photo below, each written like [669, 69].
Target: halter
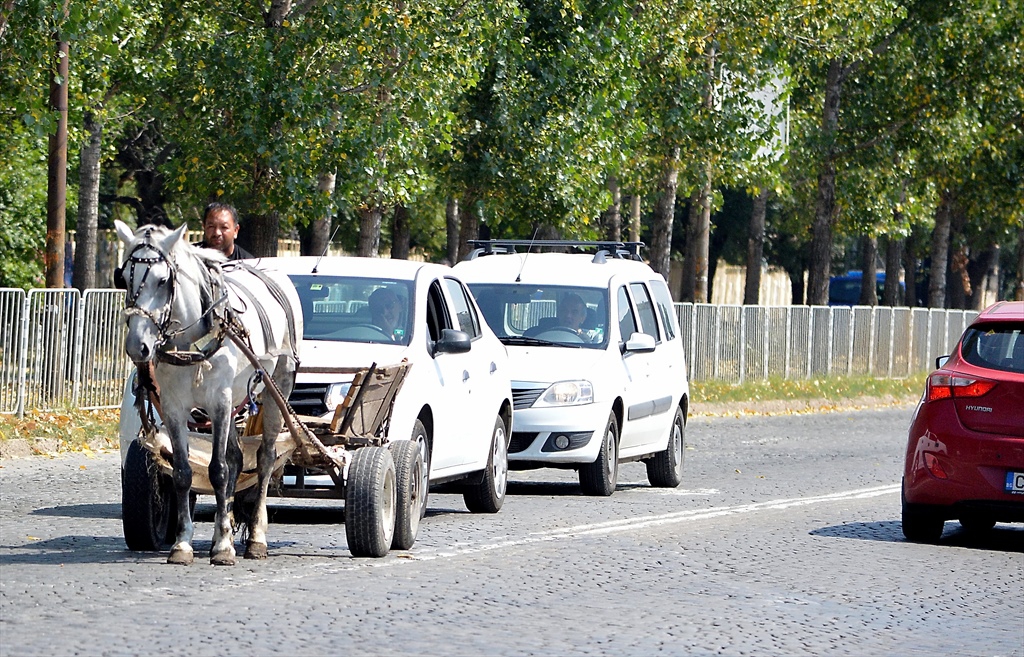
[202, 348]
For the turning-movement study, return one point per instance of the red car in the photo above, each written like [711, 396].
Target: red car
[965, 453]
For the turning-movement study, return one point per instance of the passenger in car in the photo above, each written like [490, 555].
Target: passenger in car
[572, 311]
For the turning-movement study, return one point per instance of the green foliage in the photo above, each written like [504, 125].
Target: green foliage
[22, 209]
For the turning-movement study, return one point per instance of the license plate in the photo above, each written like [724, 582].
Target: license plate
[1015, 482]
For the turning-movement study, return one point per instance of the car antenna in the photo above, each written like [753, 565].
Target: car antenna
[528, 249]
[326, 248]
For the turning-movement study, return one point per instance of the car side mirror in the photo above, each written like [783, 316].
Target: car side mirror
[940, 361]
[452, 342]
[640, 342]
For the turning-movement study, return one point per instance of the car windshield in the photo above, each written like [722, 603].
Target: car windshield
[562, 316]
[996, 346]
[355, 309]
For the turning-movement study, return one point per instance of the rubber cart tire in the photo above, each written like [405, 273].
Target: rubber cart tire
[411, 483]
[370, 501]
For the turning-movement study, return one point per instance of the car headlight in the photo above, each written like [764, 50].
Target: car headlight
[567, 393]
[336, 393]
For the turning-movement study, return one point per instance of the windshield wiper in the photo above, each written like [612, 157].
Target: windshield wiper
[523, 340]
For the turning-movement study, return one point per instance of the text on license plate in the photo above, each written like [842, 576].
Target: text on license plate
[1014, 482]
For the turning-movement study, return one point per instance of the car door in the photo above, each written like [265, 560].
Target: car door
[635, 367]
[651, 399]
[452, 432]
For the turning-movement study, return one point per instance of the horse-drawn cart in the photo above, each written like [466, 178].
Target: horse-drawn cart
[349, 457]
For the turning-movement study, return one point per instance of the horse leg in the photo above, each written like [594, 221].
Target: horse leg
[181, 551]
[273, 421]
[222, 552]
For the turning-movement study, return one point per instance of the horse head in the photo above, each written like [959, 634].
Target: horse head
[149, 274]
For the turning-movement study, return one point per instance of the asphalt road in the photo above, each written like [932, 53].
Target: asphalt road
[784, 539]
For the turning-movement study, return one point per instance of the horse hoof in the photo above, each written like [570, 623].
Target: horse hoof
[180, 557]
[256, 551]
[222, 559]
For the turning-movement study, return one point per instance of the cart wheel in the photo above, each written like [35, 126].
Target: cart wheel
[148, 506]
[411, 484]
[370, 502]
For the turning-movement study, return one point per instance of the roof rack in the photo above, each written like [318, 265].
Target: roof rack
[623, 250]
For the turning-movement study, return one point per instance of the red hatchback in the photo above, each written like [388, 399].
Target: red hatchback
[965, 453]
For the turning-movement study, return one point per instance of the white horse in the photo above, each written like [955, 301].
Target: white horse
[182, 301]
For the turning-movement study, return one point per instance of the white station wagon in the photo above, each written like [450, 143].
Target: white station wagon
[456, 398]
[598, 371]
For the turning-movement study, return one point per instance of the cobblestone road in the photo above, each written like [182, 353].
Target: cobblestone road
[784, 539]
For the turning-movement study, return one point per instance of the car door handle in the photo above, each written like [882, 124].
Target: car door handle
[494, 367]
[465, 375]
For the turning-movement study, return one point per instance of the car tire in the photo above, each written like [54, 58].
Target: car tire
[665, 470]
[148, 502]
[422, 440]
[410, 484]
[921, 524]
[601, 477]
[488, 495]
[370, 501]
[977, 524]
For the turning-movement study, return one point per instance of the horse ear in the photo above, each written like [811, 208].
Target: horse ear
[171, 240]
[124, 233]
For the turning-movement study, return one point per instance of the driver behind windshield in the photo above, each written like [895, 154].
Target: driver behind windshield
[386, 312]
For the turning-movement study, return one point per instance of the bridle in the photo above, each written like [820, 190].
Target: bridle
[202, 348]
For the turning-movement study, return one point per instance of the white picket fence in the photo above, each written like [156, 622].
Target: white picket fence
[61, 349]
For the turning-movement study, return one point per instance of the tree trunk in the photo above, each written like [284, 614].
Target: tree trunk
[702, 243]
[84, 275]
[400, 233]
[634, 218]
[369, 231]
[57, 170]
[259, 233]
[451, 218]
[825, 209]
[688, 284]
[981, 271]
[869, 271]
[755, 248]
[940, 252]
[315, 238]
[612, 220]
[664, 214]
[1018, 289]
[893, 255]
[910, 267]
[469, 225]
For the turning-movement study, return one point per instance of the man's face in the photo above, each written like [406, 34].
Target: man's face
[388, 312]
[220, 231]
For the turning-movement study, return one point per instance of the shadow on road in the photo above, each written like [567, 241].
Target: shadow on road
[1002, 538]
[73, 550]
[108, 511]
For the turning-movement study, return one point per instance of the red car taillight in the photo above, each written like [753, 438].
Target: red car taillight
[943, 385]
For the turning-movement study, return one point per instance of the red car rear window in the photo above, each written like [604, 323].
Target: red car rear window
[995, 346]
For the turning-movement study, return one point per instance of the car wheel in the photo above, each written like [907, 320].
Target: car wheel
[422, 440]
[977, 524]
[921, 524]
[665, 470]
[148, 503]
[488, 495]
[410, 483]
[600, 477]
[370, 501]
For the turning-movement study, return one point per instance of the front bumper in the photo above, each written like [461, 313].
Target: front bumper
[537, 430]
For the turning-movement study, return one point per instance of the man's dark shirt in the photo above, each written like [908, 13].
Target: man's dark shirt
[238, 254]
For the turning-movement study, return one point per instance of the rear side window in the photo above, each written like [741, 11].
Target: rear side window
[995, 346]
[666, 309]
[645, 309]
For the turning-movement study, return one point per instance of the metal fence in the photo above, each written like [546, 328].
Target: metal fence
[61, 349]
[739, 343]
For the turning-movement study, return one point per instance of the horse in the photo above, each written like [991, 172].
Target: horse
[190, 317]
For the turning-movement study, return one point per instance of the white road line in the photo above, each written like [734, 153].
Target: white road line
[319, 569]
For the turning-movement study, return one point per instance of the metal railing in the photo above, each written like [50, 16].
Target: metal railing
[61, 349]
